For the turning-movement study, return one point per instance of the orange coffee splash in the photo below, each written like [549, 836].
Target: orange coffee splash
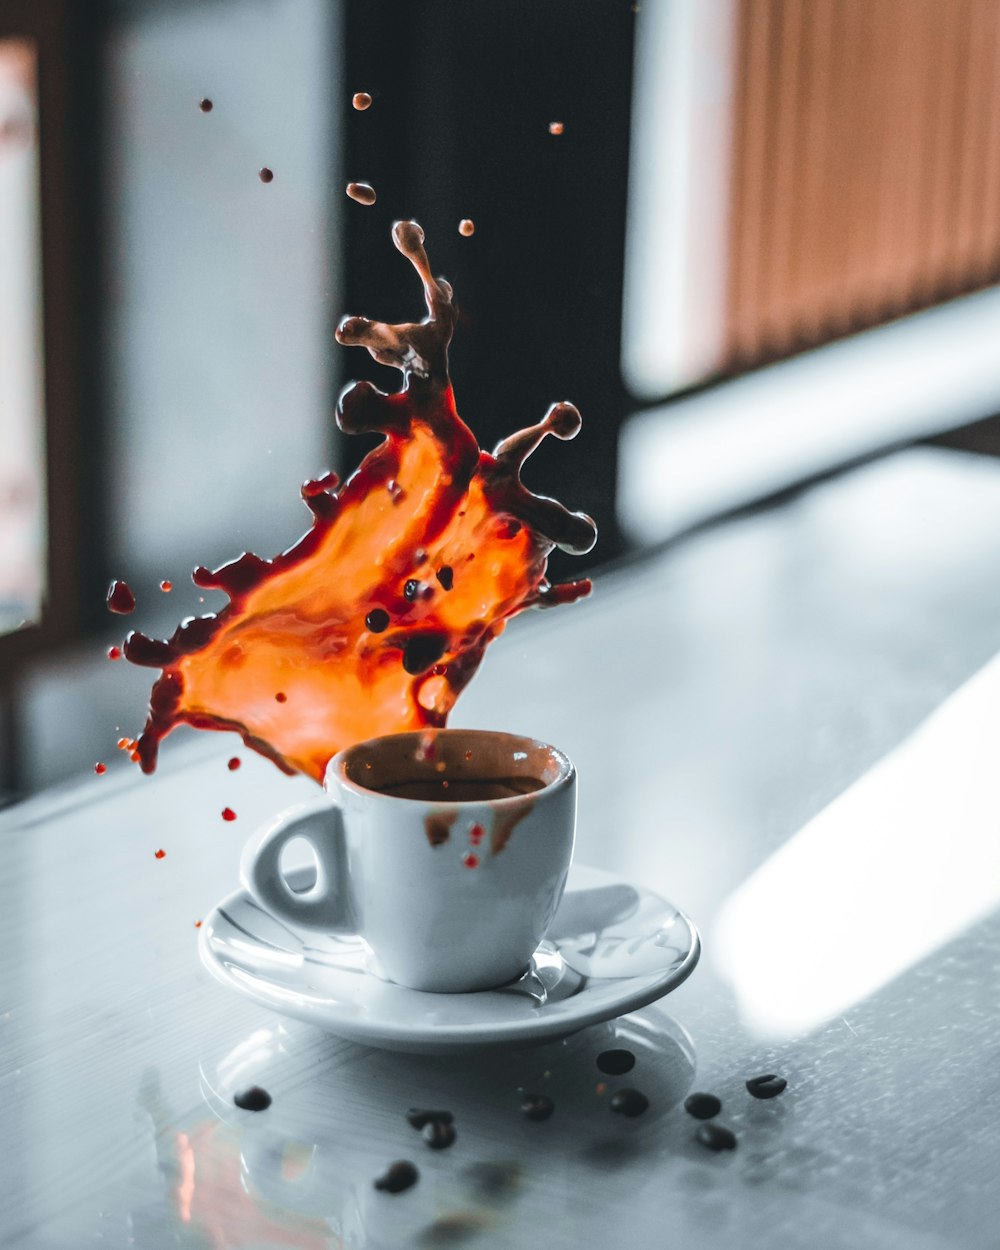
[379, 616]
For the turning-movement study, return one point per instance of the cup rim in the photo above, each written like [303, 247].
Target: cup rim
[336, 769]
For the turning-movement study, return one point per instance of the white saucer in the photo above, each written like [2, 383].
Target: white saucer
[612, 948]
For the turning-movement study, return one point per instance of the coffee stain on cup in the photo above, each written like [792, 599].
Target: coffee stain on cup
[438, 826]
[505, 821]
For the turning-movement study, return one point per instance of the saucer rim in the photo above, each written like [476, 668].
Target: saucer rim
[550, 1023]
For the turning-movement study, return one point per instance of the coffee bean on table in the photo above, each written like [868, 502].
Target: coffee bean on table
[253, 1098]
[438, 1134]
[702, 1106]
[418, 1117]
[537, 1107]
[716, 1137]
[766, 1086]
[616, 1062]
[629, 1102]
[397, 1177]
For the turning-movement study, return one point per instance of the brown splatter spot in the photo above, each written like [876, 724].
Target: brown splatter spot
[438, 826]
[266, 175]
[505, 821]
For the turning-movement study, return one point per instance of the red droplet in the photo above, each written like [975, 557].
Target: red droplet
[281, 697]
[361, 101]
[160, 854]
[228, 814]
[166, 586]
[266, 175]
[114, 653]
[121, 598]
[476, 834]
[100, 768]
[197, 924]
[470, 860]
[556, 128]
[466, 227]
[234, 763]
[124, 744]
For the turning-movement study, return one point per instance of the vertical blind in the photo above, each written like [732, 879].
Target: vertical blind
[865, 173]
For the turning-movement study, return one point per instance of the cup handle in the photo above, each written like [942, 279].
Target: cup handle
[326, 906]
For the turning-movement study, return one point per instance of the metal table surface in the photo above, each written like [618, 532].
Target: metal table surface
[786, 725]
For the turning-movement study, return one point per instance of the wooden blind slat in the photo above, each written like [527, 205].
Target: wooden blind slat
[865, 168]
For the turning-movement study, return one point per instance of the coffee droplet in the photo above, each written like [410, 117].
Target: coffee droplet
[438, 1134]
[616, 1062]
[716, 1137]
[206, 105]
[767, 1086]
[266, 175]
[630, 1103]
[361, 101]
[361, 192]
[121, 598]
[397, 1177]
[466, 228]
[702, 1106]
[253, 1098]
[537, 1107]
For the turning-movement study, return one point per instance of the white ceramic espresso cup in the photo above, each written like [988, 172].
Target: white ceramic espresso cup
[451, 894]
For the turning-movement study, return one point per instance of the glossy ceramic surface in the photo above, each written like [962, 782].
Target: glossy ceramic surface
[612, 948]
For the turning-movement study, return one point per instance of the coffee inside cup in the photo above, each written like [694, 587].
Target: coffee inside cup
[454, 766]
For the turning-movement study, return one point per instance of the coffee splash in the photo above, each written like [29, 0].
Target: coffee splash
[379, 616]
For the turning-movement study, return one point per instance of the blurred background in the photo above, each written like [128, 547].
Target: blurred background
[755, 241]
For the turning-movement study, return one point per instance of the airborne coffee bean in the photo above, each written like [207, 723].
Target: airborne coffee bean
[397, 1177]
[417, 1117]
[537, 1107]
[616, 1062]
[629, 1102]
[252, 1099]
[767, 1086]
[716, 1137]
[702, 1106]
[438, 1134]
